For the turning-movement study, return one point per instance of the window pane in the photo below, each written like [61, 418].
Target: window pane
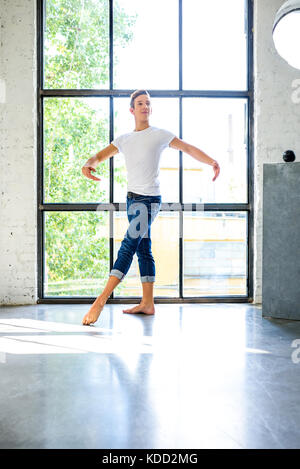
[165, 246]
[74, 130]
[76, 253]
[165, 114]
[214, 45]
[218, 127]
[215, 253]
[76, 47]
[149, 59]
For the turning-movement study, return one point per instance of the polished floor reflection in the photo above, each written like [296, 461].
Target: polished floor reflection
[192, 376]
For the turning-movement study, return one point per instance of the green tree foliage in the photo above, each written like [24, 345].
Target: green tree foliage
[76, 56]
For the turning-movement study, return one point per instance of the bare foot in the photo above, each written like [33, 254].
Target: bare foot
[141, 308]
[94, 312]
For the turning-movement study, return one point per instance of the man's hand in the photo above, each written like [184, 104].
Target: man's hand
[216, 169]
[86, 171]
[93, 162]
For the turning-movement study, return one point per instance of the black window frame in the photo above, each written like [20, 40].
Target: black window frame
[112, 93]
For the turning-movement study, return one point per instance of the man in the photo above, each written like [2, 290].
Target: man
[142, 149]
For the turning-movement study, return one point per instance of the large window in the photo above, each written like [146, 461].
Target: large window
[195, 59]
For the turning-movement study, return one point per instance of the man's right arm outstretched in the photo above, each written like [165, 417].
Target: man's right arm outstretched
[93, 162]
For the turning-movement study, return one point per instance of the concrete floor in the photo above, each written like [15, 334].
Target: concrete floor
[193, 376]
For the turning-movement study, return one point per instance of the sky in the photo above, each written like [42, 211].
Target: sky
[214, 51]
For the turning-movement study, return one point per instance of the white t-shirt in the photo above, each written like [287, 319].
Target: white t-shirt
[142, 151]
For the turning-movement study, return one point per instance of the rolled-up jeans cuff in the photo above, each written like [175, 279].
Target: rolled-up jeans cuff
[147, 278]
[117, 273]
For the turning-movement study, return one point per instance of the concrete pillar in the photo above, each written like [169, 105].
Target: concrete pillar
[18, 263]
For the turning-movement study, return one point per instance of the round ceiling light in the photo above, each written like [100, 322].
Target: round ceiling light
[286, 32]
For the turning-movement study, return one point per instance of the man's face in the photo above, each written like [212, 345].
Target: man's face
[142, 107]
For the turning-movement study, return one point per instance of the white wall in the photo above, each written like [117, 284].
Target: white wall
[18, 277]
[277, 120]
[277, 117]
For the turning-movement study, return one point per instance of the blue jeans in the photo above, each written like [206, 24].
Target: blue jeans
[141, 211]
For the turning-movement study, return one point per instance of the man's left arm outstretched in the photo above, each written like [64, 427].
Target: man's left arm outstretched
[196, 153]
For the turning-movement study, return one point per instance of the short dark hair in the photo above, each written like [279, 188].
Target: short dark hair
[135, 94]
